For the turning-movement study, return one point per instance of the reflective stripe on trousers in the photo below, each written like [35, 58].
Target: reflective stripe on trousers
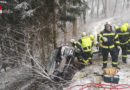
[114, 63]
[105, 62]
[124, 56]
[107, 47]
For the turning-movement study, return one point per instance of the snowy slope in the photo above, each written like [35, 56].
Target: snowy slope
[124, 73]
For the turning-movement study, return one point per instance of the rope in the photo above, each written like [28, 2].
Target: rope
[103, 86]
[80, 76]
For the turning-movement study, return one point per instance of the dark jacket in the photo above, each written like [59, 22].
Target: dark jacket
[112, 38]
[123, 37]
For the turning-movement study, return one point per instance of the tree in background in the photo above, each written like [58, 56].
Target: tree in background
[33, 26]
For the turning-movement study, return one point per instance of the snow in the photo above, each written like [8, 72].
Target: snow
[28, 13]
[23, 5]
[124, 73]
[3, 2]
[93, 28]
[17, 75]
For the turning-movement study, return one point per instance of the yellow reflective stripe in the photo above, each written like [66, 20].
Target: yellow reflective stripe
[88, 50]
[100, 36]
[104, 46]
[78, 43]
[112, 46]
[89, 58]
[114, 63]
[128, 50]
[125, 56]
[75, 46]
[85, 61]
[80, 76]
[123, 33]
[100, 41]
[108, 34]
[117, 42]
[124, 43]
[104, 61]
[116, 36]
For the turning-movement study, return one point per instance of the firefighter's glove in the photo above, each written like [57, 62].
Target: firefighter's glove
[104, 39]
[77, 50]
[119, 47]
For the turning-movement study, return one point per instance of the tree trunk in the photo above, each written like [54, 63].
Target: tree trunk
[75, 28]
[115, 8]
[92, 8]
[98, 8]
[103, 3]
[65, 30]
[123, 6]
[84, 17]
[106, 9]
[54, 23]
[128, 3]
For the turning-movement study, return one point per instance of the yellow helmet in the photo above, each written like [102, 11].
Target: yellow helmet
[116, 27]
[123, 28]
[91, 37]
[126, 24]
[72, 40]
[84, 34]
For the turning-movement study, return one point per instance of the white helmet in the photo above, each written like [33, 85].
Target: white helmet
[72, 40]
[108, 23]
[84, 34]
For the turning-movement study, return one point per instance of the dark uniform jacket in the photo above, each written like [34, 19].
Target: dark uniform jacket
[112, 39]
[123, 37]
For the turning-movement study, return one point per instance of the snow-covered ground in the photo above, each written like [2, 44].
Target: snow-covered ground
[16, 79]
[86, 75]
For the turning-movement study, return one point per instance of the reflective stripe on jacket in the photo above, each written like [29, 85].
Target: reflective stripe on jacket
[85, 43]
[112, 39]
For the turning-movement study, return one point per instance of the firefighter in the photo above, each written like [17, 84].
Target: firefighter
[117, 30]
[93, 44]
[73, 42]
[92, 39]
[77, 48]
[128, 30]
[85, 44]
[128, 51]
[124, 39]
[99, 46]
[107, 40]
